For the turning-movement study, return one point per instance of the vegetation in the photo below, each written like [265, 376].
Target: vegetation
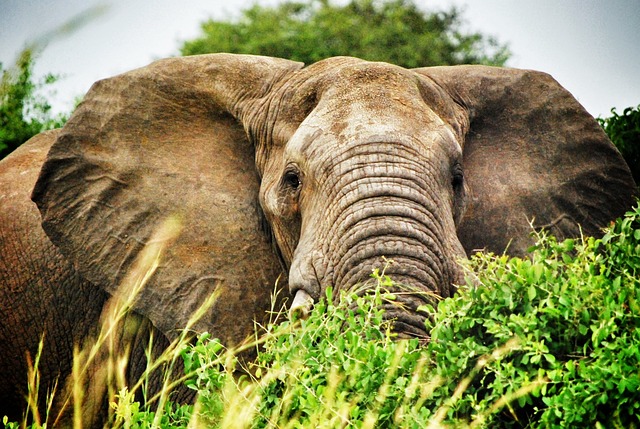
[624, 132]
[395, 31]
[24, 112]
[549, 341]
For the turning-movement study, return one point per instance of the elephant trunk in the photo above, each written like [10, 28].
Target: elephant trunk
[381, 207]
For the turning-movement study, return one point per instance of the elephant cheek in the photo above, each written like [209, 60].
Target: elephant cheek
[284, 225]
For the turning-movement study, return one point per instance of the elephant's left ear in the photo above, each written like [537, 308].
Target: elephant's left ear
[531, 153]
[164, 140]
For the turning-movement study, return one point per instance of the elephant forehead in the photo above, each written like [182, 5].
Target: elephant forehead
[373, 86]
[346, 121]
[354, 71]
[342, 80]
[346, 99]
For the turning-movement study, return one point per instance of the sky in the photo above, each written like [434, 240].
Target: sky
[592, 47]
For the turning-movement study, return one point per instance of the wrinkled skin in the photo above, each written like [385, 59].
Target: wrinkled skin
[43, 297]
[305, 175]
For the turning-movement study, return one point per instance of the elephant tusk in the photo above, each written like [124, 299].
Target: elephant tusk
[301, 306]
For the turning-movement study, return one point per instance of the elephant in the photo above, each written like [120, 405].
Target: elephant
[281, 173]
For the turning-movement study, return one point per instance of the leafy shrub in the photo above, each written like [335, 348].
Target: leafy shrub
[574, 314]
[624, 132]
[550, 341]
[340, 365]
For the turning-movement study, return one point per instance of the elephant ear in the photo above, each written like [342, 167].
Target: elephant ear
[164, 141]
[531, 153]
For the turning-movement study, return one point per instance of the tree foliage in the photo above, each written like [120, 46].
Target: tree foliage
[23, 112]
[624, 132]
[395, 31]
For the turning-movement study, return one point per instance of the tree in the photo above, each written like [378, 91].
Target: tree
[395, 31]
[23, 112]
[624, 132]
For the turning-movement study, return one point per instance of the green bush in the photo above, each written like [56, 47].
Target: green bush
[548, 341]
[624, 132]
[24, 112]
[574, 315]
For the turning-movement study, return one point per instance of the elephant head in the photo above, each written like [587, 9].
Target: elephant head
[318, 172]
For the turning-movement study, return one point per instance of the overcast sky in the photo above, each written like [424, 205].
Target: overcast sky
[591, 47]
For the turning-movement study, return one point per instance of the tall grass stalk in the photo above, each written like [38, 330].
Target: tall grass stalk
[33, 391]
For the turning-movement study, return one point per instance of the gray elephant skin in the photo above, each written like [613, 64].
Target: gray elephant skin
[311, 174]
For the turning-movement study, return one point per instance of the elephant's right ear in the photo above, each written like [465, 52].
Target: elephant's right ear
[159, 141]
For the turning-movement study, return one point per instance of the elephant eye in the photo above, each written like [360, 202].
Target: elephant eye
[457, 178]
[291, 179]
